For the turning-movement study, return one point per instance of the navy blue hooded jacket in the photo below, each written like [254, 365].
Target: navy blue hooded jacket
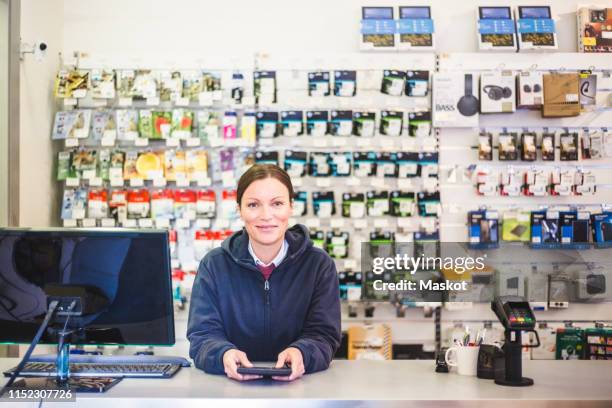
[233, 307]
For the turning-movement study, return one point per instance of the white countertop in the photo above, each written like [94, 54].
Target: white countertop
[375, 382]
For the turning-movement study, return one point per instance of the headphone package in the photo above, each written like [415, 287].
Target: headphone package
[455, 103]
[548, 146]
[300, 200]
[508, 146]
[528, 146]
[588, 88]
[561, 95]
[483, 229]
[536, 28]
[530, 89]
[485, 146]
[497, 92]
[496, 31]
[353, 205]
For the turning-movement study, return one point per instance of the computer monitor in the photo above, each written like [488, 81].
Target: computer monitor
[130, 268]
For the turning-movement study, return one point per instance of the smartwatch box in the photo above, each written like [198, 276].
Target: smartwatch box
[536, 28]
[455, 99]
[415, 28]
[378, 28]
[497, 92]
[496, 30]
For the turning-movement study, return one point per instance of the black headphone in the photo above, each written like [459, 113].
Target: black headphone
[495, 93]
[468, 104]
[536, 88]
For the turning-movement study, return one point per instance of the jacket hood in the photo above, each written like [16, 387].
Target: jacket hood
[237, 245]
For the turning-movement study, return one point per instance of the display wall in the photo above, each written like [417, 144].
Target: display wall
[170, 35]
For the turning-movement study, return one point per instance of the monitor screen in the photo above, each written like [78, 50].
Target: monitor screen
[131, 270]
[495, 13]
[414, 12]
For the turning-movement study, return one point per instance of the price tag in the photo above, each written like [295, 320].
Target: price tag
[125, 101]
[95, 182]
[323, 182]
[205, 98]
[386, 142]
[70, 101]
[404, 183]
[182, 182]
[203, 181]
[107, 222]
[228, 178]
[141, 141]
[72, 182]
[116, 182]
[222, 223]
[162, 222]
[71, 142]
[159, 182]
[78, 214]
[360, 224]
[189, 215]
[145, 223]
[381, 223]
[337, 141]
[248, 100]
[313, 223]
[203, 223]
[172, 142]
[337, 223]
[217, 95]
[107, 141]
[298, 182]
[136, 182]
[404, 222]
[182, 223]
[193, 141]
[182, 101]
[153, 101]
[70, 223]
[378, 182]
[350, 264]
[409, 144]
[128, 223]
[364, 142]
[319, 142]
[88, 222]
[353, 181]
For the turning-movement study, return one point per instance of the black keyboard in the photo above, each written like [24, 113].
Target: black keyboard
[139, 370]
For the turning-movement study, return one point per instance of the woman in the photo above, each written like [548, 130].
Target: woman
[266, 294]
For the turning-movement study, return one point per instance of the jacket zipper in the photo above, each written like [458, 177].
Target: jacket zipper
[267, 312]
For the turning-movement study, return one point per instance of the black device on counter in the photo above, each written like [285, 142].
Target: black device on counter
[265, 371]
[516, 316]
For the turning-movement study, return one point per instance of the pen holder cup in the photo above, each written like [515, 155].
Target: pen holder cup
[464, 358]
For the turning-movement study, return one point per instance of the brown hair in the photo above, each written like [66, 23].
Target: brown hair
[260, 172]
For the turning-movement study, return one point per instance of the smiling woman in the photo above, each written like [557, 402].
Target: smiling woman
[267, 294]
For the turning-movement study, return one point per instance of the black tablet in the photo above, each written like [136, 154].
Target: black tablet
[265, 371]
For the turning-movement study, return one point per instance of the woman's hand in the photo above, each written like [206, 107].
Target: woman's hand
[234, 358]
[293, 357]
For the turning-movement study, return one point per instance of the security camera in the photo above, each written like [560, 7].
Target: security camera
[40, 50]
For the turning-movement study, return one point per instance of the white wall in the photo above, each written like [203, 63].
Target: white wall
[41, 20]
[162, 29]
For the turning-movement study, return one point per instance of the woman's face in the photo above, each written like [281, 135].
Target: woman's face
[265, 209]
